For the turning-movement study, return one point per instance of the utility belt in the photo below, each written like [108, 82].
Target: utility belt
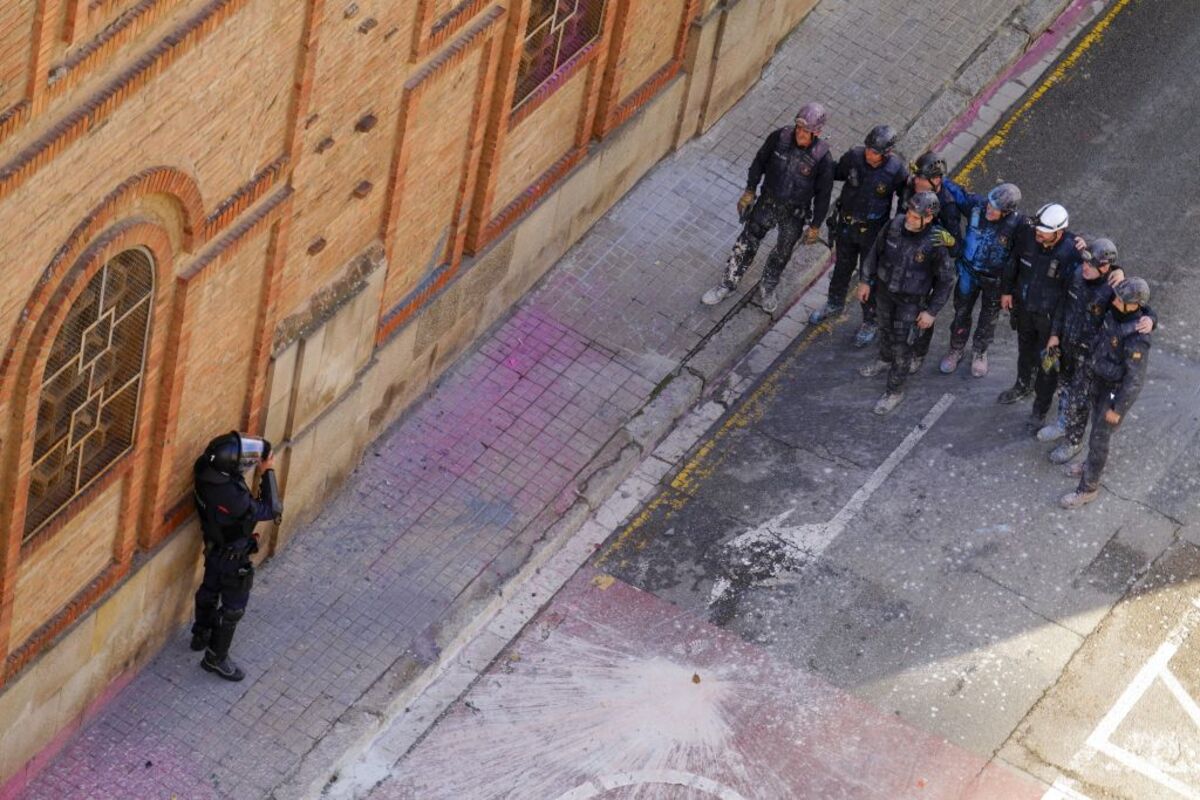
[794, 209]
[904, 298]
[238, 550]
[849, 224]
[988, 279]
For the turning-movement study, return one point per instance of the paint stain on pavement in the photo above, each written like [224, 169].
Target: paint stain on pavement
[630, 698]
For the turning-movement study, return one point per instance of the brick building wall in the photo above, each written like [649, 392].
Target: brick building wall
[335, 198]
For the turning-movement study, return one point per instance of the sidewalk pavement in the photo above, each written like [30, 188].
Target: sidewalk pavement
[531, 430]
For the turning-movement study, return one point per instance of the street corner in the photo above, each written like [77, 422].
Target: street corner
[614, 693]
[1124, 720]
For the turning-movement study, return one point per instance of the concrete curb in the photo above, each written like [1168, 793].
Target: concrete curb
[416, 689]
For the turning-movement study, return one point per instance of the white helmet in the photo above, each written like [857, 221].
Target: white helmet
[1050, 218]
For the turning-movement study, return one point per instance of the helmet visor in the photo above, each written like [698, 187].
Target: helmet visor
[251, 451]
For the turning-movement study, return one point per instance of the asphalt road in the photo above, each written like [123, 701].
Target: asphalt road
[1115, 142]
[959, 598]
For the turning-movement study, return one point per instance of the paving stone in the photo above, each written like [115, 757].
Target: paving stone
[1036, 15]
[999, 53]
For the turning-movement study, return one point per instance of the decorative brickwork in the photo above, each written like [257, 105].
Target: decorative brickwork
[445, 174]
[647, 52]
[434, 29]
[136, 17]
[46, 634]
[44, 357]
[498, 161]
[92, 112]
[17, 23]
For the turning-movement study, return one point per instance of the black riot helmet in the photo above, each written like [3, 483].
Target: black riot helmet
[235, 452]
[929, 165]
[1133, 290]
[1004, 197]
[882, 139]
[811, 117]
[1100, 251]
[924, 204]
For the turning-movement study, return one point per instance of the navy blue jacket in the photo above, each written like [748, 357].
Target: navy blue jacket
[868, 192]
[908, 263]
[1080, 314]
[1120, 355]
[1036, 277]
[228, 511]
[800, 177]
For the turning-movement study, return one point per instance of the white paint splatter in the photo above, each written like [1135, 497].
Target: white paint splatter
[807, 541]
[584, 719]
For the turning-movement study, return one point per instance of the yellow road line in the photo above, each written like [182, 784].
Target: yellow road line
[1059, 72]
[708, 457]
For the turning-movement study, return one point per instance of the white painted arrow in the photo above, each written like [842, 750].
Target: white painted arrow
[805, 542]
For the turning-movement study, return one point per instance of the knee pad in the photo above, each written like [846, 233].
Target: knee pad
[232, 615]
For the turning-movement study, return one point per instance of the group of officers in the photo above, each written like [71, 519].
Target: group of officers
[1083, 327]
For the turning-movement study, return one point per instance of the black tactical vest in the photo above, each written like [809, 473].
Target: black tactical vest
[867, 193]
[906, 263]
[792, 171]
[1113, 346]
[1041, 273]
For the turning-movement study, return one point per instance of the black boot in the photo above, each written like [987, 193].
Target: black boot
[1034, 423]
[1019, 391]
[216, 657]
[222, 666]
[200, 638]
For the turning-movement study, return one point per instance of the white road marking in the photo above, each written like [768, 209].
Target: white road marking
[810, 540]
[1156, 668]
[651, 777]
[1062, 789]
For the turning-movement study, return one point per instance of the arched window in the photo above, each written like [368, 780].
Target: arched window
[91, 385]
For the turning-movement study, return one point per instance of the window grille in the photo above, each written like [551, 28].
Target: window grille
[91, 386]
[558, 30]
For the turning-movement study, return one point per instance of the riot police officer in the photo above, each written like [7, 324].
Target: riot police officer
[874, 177]
[1087, 298]
[929, 175]
[796, 172]
[228, 513]
[1044, 254]
[909, 275]
[1118, 364]
[992, 222]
